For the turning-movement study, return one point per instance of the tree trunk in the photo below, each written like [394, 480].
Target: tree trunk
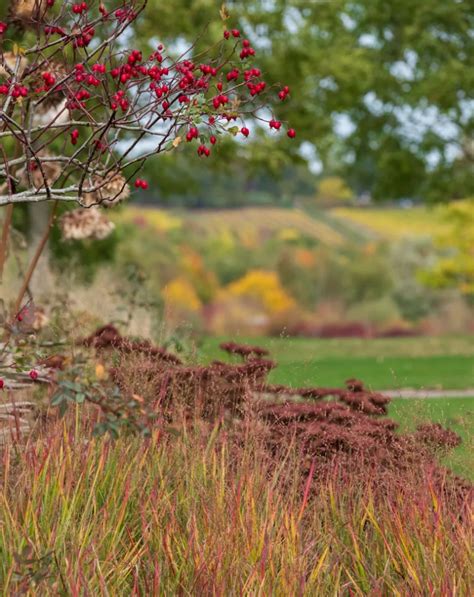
[42, 282]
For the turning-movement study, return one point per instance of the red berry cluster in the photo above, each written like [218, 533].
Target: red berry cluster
[141, 184]
[125, 14]
[82, 95]
[80, 73]
[193, 133]
[204, 151]
[119, 100]
[206, 69]
[254, 88]
[131, 70]
[16, 91]
[233, 32]
[139, 94]
[135, 56]
[284, 92]
[99, 68]
[83, 38]
[220, 100]
[79, 8]
[247, 50]
[88, 78]
[49, 80]
[233, 75]
[3, 27]
[160, 91]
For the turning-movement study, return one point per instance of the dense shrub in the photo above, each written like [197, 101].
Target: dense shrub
[328, 426]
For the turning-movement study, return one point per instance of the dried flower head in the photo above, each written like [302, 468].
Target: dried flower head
[26, 11]
[35, 174]
[41, 319]
[111, 189]
[11, 60]
[81, 224]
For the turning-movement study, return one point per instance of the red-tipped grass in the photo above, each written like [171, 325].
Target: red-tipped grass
[194, 515]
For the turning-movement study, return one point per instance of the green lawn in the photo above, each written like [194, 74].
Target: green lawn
[456, 414]
[379, 373]
[430, 363]
[383, 364]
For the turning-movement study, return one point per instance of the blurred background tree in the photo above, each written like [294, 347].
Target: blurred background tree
[455, 268]
[333, 190]
[388, 82]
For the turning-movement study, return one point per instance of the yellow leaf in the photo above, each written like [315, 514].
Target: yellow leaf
[100, 371]
[177, 141]
[18, 50]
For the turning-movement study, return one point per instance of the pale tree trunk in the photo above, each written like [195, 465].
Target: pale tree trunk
[42, 282]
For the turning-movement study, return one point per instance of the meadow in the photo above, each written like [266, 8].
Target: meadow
[329, 226]
[383, 363]
[247, 224]
[393, 223]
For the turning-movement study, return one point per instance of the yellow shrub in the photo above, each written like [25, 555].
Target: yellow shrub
[179, 295]
[203, 281]
[289, 234]
[333, 189]
[457, 269]
[265, 287]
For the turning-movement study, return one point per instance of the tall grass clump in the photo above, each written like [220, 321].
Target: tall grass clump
[194, 513]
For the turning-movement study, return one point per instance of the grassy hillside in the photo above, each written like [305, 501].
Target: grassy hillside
[246, 224]
[330, 227]
[394, 223]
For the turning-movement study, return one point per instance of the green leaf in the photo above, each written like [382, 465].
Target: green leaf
[80, 397]
[58, 399]
[63, 408]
